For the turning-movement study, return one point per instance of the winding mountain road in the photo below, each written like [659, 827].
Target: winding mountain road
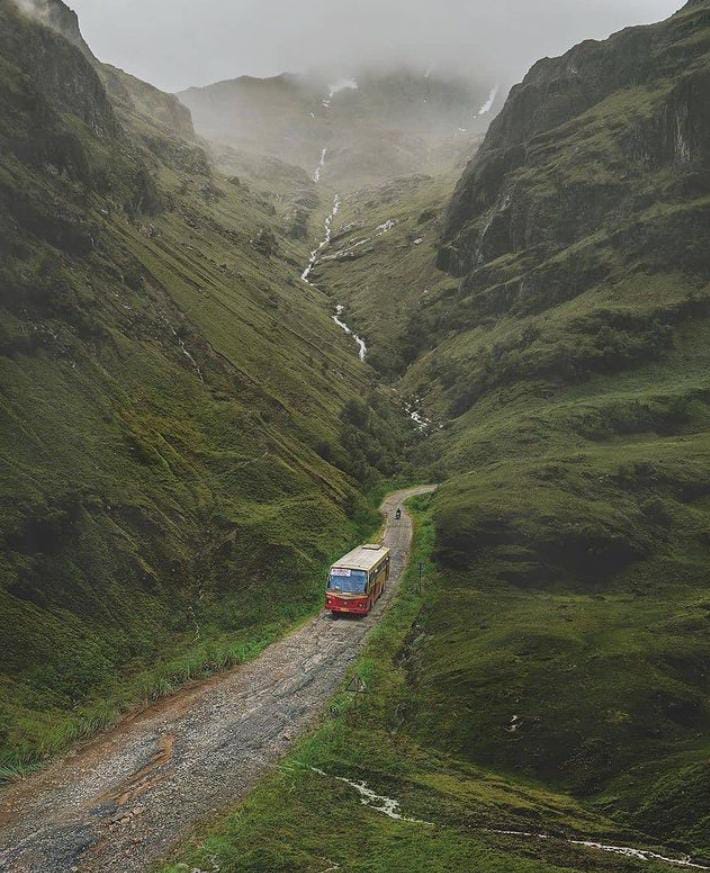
[121, 802]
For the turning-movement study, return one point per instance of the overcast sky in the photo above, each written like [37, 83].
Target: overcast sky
[177, 43]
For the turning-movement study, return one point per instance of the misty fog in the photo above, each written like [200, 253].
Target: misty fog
[178, 43]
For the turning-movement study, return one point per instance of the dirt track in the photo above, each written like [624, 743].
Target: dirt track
[123, 801]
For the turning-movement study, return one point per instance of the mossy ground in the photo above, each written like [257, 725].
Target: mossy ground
[301, 820]
[168, 390]
[173, 427]
[565, 373]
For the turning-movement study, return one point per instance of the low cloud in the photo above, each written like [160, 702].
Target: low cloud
[34, 8]
[178, 43]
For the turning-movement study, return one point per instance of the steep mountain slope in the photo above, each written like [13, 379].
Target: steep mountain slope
[170, 392]
[561, 353]
[187, 412]
[359, 131]
[381, 261]
[572, 359]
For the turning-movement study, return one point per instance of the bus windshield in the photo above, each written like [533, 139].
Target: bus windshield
[348, 581]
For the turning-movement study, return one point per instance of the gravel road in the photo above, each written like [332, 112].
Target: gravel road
[123, 801]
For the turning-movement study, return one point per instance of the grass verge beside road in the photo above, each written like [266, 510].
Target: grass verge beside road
[310, 814]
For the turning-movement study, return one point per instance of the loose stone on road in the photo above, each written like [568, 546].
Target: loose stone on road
[123, 801]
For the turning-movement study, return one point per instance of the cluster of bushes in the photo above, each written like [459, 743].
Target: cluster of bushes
[371, 442]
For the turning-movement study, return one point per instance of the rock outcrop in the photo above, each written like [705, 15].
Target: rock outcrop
[580, 137]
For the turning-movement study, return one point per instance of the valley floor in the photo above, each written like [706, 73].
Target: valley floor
[124, 800]
[367, 793]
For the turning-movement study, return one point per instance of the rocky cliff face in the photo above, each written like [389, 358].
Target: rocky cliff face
[551, 171]
[66, 78]
[140, 100]
[597, 170]
[59, 17]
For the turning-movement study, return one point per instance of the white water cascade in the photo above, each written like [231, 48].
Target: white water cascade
[328, 227]
[313, 260]
[362, 348]
[488, 105]
[319, 168]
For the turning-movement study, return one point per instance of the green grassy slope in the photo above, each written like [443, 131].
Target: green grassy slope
[562, 354]
[454, 811]
[182, 415]
[572, 363]
[380, 264]
[171, 403]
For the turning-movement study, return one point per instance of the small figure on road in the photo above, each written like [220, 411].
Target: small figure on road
[398, 514]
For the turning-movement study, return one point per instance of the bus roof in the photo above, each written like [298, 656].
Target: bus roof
[363, 557]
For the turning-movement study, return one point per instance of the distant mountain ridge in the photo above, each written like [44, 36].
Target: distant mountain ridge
[372, 126]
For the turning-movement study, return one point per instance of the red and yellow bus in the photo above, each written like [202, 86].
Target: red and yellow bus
[358, 579]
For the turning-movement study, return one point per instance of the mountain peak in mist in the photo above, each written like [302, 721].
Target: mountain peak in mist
[373, 123]
[58, 16]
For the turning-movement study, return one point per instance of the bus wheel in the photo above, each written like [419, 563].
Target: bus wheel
[335, 616]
